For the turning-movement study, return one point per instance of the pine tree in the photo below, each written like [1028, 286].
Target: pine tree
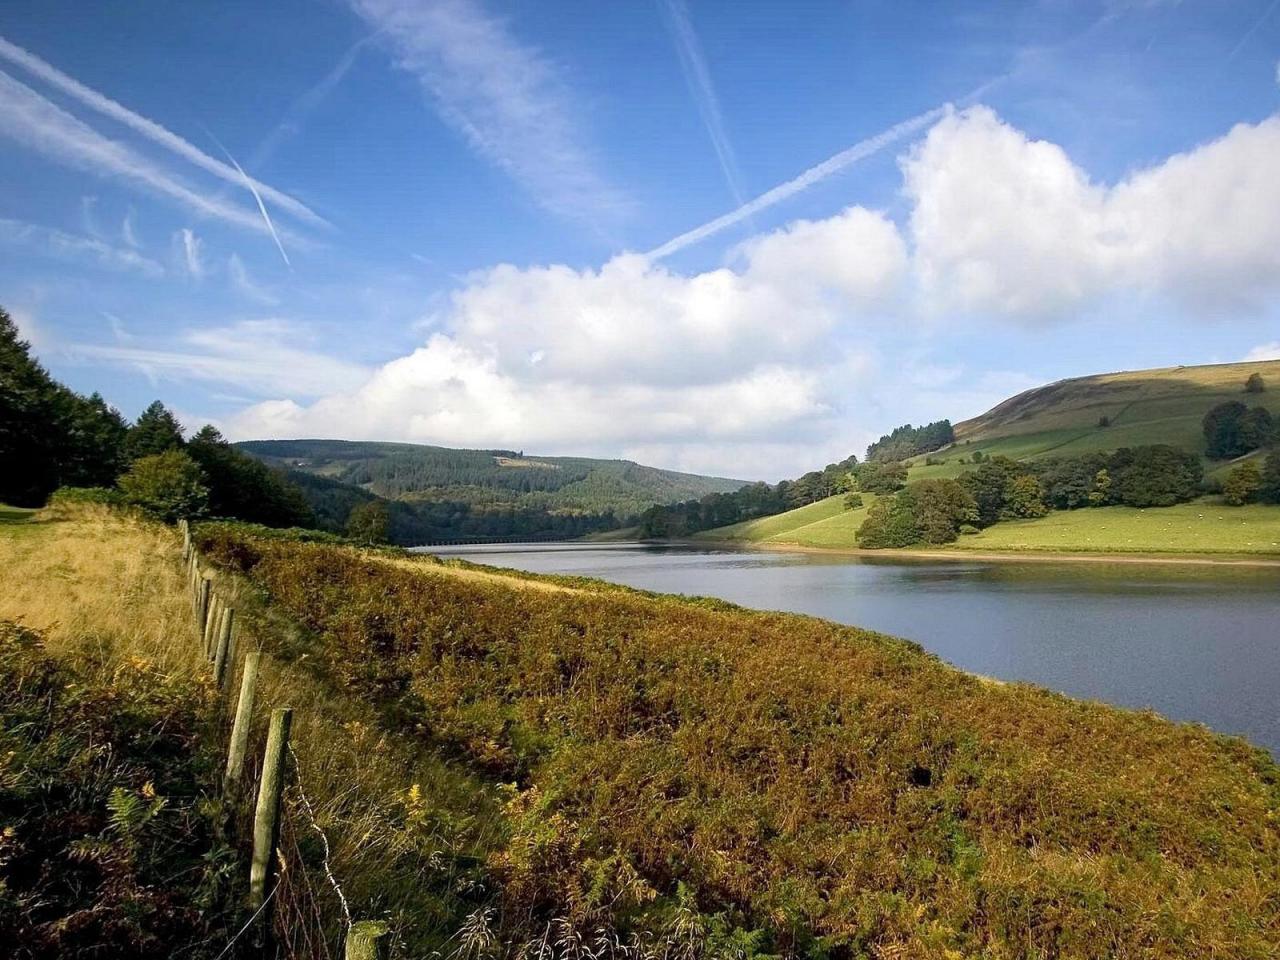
[156, 431]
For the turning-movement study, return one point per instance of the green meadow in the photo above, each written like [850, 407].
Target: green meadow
[1203, 526]
[823, 524]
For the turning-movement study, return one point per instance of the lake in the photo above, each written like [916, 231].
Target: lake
[1194, 643]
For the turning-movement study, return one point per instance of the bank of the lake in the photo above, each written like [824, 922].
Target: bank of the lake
[1193, 638]
[1203, 530]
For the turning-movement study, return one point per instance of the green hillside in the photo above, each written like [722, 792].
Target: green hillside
[826, 523]
[1142, 407]
[1203, 526]
[1065, 419]
[435, 494]
[416, 472]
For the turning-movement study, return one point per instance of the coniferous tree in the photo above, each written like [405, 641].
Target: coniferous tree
[50, 436]
[155, 431]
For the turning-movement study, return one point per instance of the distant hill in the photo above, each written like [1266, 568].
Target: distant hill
[1164, 405]
[446, 493]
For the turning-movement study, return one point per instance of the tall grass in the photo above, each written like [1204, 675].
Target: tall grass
[407, 833]
[722, 782]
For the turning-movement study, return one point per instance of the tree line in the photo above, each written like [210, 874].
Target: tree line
[906, 441]
[749, 503]
[55, 442]
[1000, 488]
[52, 437]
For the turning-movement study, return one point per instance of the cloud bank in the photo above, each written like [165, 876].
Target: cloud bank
[779, 348]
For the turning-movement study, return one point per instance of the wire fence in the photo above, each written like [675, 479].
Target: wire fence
[287, 910]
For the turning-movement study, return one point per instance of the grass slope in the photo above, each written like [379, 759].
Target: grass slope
[531, 763]
[1145, 406]
[406, 830]
[1199, 527]
[1203, 527]
[779, 784]
[825, 523]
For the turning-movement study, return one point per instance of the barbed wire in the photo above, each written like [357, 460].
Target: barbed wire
[324, 840]
[248, 923]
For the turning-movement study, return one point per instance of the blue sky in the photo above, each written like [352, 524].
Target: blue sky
[741, 238]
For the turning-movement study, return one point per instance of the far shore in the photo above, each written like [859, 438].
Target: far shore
[997, 556]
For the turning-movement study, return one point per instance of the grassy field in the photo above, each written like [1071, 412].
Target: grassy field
[1144, 407]
[789, 786]
[825, 523]
[1203, 527]
[1200, 527]
[407, 829]
[509, 766]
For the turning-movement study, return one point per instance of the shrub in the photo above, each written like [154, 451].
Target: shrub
[1255, 384]
[104, 496]
[1269, 490]
[853, 501]
[166, 485]
[1242, 484]
[368, 523]
[928, 511]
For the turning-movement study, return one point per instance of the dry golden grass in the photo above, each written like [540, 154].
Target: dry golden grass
[400, 824]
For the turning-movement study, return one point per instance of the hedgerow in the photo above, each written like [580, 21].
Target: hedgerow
[741, 783]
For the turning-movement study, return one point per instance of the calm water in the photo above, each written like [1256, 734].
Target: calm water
[1194, 643]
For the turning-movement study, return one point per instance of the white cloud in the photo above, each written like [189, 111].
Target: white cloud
[506, 98]
[796, 351]
[41, 125]
[1005, 223]
[187, 252]
[66, 246]
[632, 354]
[1264, 351]
[147, 128]
[128, 232]
[28, 329]
[264, 357]
[244, 284]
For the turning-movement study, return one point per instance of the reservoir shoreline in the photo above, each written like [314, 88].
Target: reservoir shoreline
[988, 556]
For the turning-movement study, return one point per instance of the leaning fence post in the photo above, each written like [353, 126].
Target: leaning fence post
[223, 649]
[266, 818]
[368, 940]
[202, 605]
[211, 624]
[240, 725]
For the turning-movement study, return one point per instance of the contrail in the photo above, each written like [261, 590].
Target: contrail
[262, 207]
[841, 161]
[147, 128]
[1266, 15]
[698, 79]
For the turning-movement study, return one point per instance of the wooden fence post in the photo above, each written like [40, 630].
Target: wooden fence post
[202, 605]
[222, 650]
[211, 623]
[266, 818]
[368, 940]
[240, 726]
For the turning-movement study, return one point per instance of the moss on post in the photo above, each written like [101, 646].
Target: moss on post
[222, 647]
[368, 940]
